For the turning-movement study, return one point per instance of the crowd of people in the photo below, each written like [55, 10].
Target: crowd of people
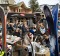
[31, 35]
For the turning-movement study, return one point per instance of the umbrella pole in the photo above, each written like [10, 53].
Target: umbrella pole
[4, 35]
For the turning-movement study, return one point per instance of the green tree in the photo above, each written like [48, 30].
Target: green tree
[34, 5]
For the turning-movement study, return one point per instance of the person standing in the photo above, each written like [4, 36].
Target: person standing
[27, 42]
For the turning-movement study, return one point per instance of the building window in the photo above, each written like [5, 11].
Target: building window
[19, 10]
[11, 20]
[42, 15]
[0, 20]
[14, 10]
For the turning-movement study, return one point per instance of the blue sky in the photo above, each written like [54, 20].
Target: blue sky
[50, 2]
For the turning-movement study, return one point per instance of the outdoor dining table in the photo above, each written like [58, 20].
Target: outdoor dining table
[44, 52]
[12, 40]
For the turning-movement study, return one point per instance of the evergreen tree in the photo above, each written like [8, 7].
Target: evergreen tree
[34, 5]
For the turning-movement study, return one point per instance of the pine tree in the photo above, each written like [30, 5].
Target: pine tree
[34, 5]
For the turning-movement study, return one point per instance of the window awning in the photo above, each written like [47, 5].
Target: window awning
[20, 15]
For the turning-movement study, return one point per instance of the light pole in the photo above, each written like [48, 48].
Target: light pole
[3, 12]
[3, 19]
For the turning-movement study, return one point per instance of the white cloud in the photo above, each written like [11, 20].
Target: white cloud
[16, 1]
[50, 2]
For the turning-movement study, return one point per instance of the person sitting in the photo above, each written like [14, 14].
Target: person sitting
[42, 29]
[46, 40]
[25, 28]
[0, 43]
[8, 49]
[10, 29]
[33, 29]
[17, 32]
[1, 52]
